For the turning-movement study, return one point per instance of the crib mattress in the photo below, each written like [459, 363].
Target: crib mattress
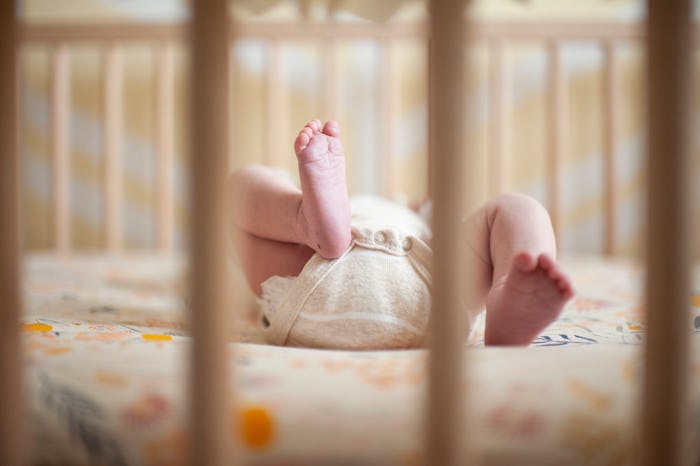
[106, 353]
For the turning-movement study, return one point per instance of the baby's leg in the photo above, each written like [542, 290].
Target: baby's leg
[276, 226]
[513, 239]
[261, 258]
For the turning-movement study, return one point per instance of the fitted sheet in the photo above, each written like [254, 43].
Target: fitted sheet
[106, 352]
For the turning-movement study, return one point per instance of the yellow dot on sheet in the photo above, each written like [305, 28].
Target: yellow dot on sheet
[58, 350]
[695, 300]
[37, 328]
[156, 337]
[256, 427]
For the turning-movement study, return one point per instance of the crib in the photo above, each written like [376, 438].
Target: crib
[141, 421]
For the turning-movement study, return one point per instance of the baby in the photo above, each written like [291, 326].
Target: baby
[334, 273]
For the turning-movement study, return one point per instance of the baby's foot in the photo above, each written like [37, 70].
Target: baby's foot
[526, 300]
[324, 213]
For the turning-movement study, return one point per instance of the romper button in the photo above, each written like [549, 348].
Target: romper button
[379, 237]
[407, 244]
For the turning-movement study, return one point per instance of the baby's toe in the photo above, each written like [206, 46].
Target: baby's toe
[309, 131]
[555, 274]
[566, 287]
[546, 262]
[331, 128]
[301, 141]
[315, 125]
[524, 262]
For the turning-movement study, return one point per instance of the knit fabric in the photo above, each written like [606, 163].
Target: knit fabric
[375, 296]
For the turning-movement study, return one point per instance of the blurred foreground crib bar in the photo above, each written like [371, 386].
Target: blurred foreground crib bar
[447, 440]
[665, 439]
[210, 410]
[11, 419]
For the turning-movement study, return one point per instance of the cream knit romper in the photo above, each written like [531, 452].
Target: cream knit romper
[375, 296]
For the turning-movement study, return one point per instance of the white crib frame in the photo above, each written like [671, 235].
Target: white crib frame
[669, 44]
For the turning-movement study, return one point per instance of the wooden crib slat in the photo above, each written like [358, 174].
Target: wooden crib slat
[387, 84]
[430, 84]
[276, 111]
[446, 436]
[555, 129]
[60, 150]
[210, 409]
[12, 419]
[499, 131]
[330, 94]
[666, 429]
[112, 82]
[165, 109]
[609, 127]
[232, 123]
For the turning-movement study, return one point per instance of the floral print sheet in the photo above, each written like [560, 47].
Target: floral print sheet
[106, 353]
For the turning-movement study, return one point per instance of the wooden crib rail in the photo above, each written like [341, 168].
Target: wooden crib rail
[486, 29]
[497, 35]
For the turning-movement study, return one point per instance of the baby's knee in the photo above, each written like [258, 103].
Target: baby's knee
[246, 173]
[518, 200]
[521, 204]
